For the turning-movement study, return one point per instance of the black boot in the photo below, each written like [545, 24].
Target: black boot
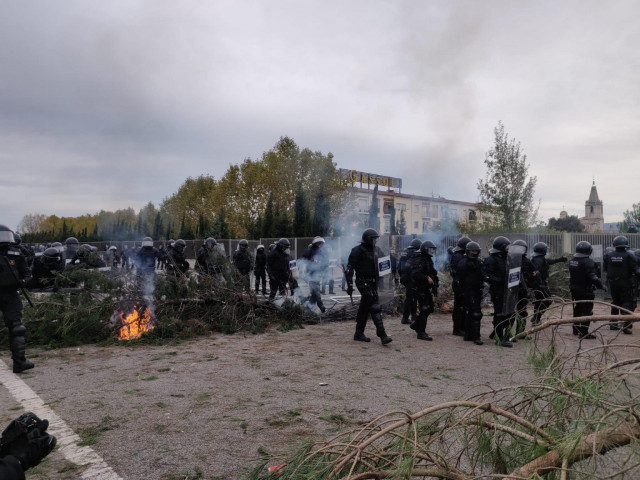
[20, 363]
[361, 337]
[424, 336]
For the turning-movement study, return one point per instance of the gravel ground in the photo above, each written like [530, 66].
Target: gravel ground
[207, 408]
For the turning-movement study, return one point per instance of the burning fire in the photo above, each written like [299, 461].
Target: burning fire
[134, 324]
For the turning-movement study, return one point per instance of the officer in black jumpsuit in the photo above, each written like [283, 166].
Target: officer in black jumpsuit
[404, 269]
[278, 268]
[260, 270]
[363, 261]
[541, 291]
[470, 279]
[582, 280]
[496, 275]
[425, 279]
[243, 262]
[621, 267]
[458, 314]
[14, 274]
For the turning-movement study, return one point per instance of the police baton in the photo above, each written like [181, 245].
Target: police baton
[24, 292]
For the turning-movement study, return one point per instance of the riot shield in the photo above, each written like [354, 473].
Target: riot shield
[383, 265]
[597, 255]
[514, 278]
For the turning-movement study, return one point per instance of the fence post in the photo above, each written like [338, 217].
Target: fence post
[567, 246]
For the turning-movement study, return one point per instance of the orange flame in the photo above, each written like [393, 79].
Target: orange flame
[134, 324]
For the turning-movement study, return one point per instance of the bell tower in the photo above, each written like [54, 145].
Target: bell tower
[593, 219]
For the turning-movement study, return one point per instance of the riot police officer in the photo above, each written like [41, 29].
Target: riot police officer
[209, 261]
[410, 307]
[458, 314]
[314, 265]
[87, 257]
[70, 249]
[582, 280]
[146, 257]
[363, 261]
[278, 268]
[541, 291]
[470, 280]
[527, 279]
[496, 270]
[14, 274]
[177, 262]
[260, 270]
[621, 267]
[425, 279]
[244, 263]
[45, 267]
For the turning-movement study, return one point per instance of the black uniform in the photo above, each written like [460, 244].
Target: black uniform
[43, 274]
[278, 270]
[527, 280]
[315, 265]
[146, 260]
[541, 291]
[10, 468]
[243, 262]
[13, 274]
[260, 271]
[422, 270]
[470, 277]
[177, 262]
[621, 268]
[410, 306]
[582, 280]
[496, 275]
[459, 312]
[363, 261]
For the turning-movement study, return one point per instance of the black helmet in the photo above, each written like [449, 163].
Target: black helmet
[462, 244]
[51, 257]
[472, 249]
[415, 244]
[283, 244]
[369, 236]
[522, 243]
[583, 249]
[72, 241]
[540, 248]
[84, 250]
[244, 244]
[171, 242]
[6, 234]
[17, 239]
[621, 242]
[428, 248]
[180, 245]
[500, 244]
[210, 242]
[57, 245]
[147, 242]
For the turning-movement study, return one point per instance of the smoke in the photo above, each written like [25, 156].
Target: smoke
[147, 294]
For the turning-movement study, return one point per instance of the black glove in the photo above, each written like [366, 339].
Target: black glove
[349, 290]
[27, 440]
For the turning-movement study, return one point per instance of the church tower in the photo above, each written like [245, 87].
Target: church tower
[593, 219]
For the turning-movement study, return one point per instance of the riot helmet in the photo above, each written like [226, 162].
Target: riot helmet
[17, 239]
[462, 244]
[244, 244]
[171, 243]
[472, 249]
[428, 248]
[260, 247]
[317, 240]
[272, 246]
[180, 245]
[51, 257]
[500, 245]
[57, 245]
[73, 241]
[210, 242]
[540, 248]
[415, 244]
[621, 242]
[283, 244]
[84, 250]
[369, 236]
[113, 248]
[147, 242]
[523, 244]
[583, 249]
[6, 235]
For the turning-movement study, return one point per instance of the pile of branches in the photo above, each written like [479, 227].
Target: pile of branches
[579, 418]
[78, 307]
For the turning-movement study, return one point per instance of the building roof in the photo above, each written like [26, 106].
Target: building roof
[593, 196]
[398, 195]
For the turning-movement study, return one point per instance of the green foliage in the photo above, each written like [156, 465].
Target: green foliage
[505, 192]
[568, 224]
[631, 222]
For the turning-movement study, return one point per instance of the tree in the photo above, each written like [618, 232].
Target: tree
[301, 214]
[392, 220]
[220, 228]
[267, 224]
[567, 224]
[32, 223]
[631, 222]
[401, 225]
[506, 193]
[374, 209]
[320, 224]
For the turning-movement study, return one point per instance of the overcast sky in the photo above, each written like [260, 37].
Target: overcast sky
[112, 104]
